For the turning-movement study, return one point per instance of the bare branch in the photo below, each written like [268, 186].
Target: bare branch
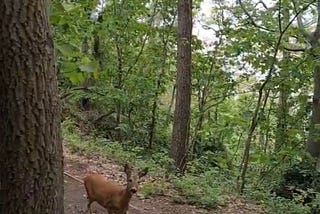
[251, 19]
[295, 49]
[146, 37]
[86, 89]
[300, 22]
[279, 16]
[263, 4]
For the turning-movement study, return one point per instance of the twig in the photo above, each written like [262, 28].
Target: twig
[86, 89]
[251, 18]
[295, 49]
[136, 208]
[74, 178]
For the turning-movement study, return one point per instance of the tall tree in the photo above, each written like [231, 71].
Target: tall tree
[283, 110]
[313, 144]
[181, 123]
[31, 175]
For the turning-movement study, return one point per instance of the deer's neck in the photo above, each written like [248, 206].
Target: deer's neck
[126, 197]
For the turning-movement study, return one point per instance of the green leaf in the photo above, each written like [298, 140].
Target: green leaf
[68, 6]
[67, 50]
[75, 77]
[88, 65]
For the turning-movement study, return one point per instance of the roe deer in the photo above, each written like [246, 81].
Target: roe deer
[112, 196]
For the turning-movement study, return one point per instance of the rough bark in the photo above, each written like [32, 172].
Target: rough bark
[313, 145]
[31, 175]
[283, 109]
[181, 123]
[281, 134]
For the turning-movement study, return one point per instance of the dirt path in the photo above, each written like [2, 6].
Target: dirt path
[76, 202]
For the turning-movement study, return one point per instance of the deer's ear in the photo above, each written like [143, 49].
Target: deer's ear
[143, 172]
[127, 169]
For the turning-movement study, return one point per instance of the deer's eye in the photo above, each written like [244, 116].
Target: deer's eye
[130, 180]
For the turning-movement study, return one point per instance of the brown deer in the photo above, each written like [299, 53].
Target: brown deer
[112, 196]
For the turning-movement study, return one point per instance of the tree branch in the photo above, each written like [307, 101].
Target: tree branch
[295, 49]
[300, 22]
[263, 4]
[150, 21]
[255, 118]
[68, 93]
[279, 16]
[251, 19]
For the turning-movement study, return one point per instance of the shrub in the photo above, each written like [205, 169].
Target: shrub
[202, 190]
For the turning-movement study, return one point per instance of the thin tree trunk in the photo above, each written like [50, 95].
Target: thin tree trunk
[199, 124]
[281, 132]
[245, 159]
[265, 146]
[31, 175]
[152, 129]
[173, 93]
[85, 102]
[97, 53]
[119, 87]
[283, 111]
[181, 121]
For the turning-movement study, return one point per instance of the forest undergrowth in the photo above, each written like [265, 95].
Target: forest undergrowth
[211, 190]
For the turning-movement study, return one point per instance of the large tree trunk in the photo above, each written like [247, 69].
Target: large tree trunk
[313, 145]
[181, 123]
[31, 175]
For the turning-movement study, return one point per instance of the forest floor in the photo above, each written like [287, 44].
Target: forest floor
[75, 202]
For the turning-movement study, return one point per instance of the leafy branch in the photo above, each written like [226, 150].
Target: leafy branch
[255, 118]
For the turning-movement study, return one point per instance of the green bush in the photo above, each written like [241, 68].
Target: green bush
[202, 190]
[153, 188]
[280, 205]
[158, 162]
